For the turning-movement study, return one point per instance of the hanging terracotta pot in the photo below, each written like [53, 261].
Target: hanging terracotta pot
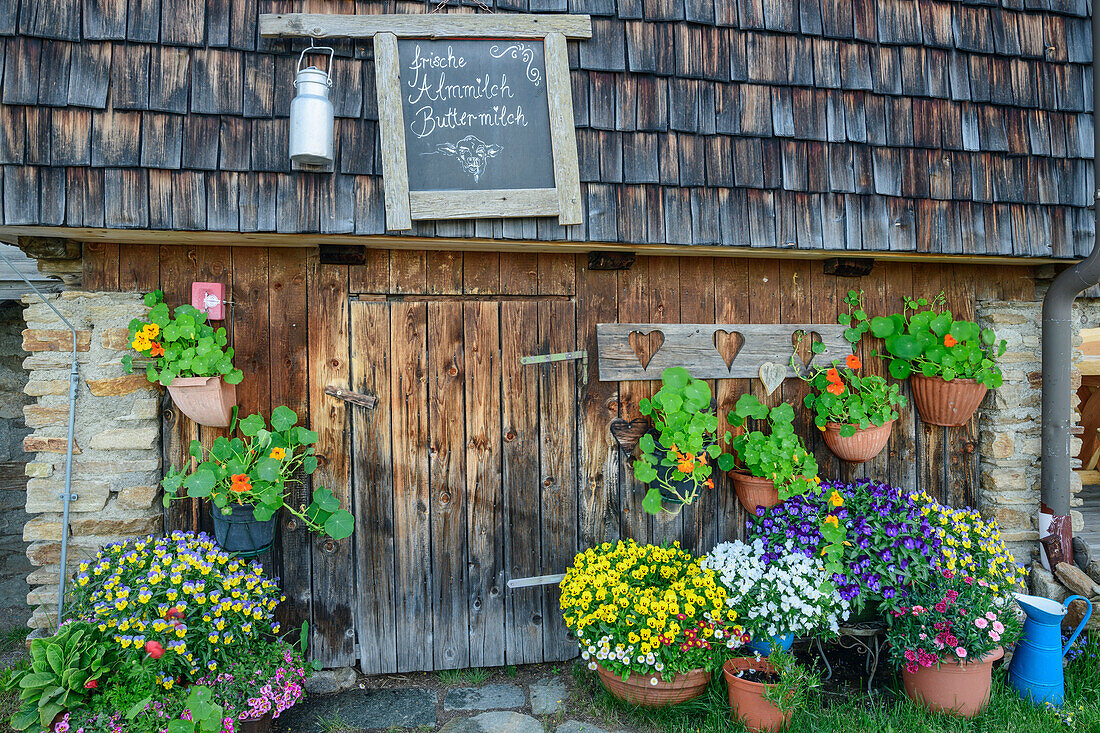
[206, 400]
[640, 689]
[858, 448]
[949, 404]
[753, 491]
[746, 697]
[959, 688]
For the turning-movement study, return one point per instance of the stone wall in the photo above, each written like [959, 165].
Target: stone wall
[116, 463]
[1011, 424]
[12, 381]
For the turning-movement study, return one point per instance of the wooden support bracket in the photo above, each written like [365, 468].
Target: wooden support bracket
[363, 400]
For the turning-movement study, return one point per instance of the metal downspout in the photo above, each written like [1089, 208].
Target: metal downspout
[67, 497]
[1057, 335]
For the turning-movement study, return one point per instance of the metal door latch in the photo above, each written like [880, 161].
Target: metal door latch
[561, 356]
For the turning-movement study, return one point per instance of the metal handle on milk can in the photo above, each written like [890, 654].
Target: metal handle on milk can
[1080, 626]
[331, 52]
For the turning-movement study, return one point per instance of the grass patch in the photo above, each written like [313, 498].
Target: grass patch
[336, 723]
[472, 676]
[889, 712]
[14, 638]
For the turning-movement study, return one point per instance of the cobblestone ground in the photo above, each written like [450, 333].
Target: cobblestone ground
[529, 699]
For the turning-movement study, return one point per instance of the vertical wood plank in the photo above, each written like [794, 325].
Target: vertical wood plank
[697, 303]
[484, 499]
[394, 165]
[764, 304]
[731, 305]
[824, 309]
[558, 459]
[408, 271]
[795, 304]
[250, 323]
[333, 595]
[213, 264]
[481, 273]
[599, 405]
[100, 264]
[411, 493]
[845, 470]
[875, 303]
[373, 276]
[664, 307]
[519, 273]
[901, 450]
[928, 282]
[447, 476]
[556, 274]
[443, 273]
[633, 302]
[961, 488]
[521, 480]
[288, 379]
[139, 267]
[373, 471]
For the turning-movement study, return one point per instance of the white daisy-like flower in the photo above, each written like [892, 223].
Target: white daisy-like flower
[653, 681]
[592, 666]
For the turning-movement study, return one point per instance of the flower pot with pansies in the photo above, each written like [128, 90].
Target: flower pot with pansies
[249, 479]
[655, 627]
[951, 362]
[778, 593]
[770, 466]
[946, 639]
[183, 352]
[677, 456]
[854, 412]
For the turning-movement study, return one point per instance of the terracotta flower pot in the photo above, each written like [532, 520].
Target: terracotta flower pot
[747, 698]
[959, 688]
[949, 404]
[858, 448]
[206, 400]
[753, 491]
[639, 689]
[263, 725]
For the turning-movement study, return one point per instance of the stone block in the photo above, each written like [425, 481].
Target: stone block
[50, 339]
[1003, 479]
[126, 439]
[548, 695]
[106, 525]
[144, 408]
[116, 339]
[42, 596]
[1043, 584]
[54, 360]
[42, 416]
[500, 721]
[118, 386]
[43, 495]
[1076, 580]
[37, 469]
[487, 697]
[45, 528]
[137, 497]
[41, 618]
[40, 387]
[49, 553]
[331, 681]
[1077, 521]
[121, 466]
[1002, 445]
[48, 444]
[1011, 518]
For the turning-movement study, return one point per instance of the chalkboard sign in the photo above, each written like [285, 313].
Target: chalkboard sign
[478, 124]
[476, 114]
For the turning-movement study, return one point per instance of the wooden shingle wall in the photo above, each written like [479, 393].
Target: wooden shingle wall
[441, 484]
[906, 125]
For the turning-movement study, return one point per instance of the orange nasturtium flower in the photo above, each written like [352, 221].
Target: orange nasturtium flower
[686, 467]
[240, 483]
[832, 519]
[278, 454]
[157, 350]
[709, 483]
[835, 388]
[853, 362]
[949, 341]
[833, 375]
[836, 499]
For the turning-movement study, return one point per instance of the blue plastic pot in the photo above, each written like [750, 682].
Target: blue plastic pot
[1036, 668]
[764, 647]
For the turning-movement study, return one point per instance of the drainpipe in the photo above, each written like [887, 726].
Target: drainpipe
[1057, 334]
[68, 496]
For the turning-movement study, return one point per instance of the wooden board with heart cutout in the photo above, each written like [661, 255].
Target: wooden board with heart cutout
[641, 351]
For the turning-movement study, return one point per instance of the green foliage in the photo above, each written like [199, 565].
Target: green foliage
[841, 395]
[794, 690]
[62, 668]
[927, 339]
[259, 470]
[686, 442]
[779, 454]
[179, 344]
[206, 715]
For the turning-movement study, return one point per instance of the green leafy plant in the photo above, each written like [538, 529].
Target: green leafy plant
[796, 683]
[927, 339]
[206, 715]
[65, 668]
[677, 463]
[779, 454]
[179, 344]
[259, 470]
[855, 402]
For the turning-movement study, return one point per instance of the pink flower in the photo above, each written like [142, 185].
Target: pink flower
[941, 607]
[910, 655]
[980, 622]
[991, 616]
[952, 595]
[949, 574]
[998, 627]
[960, 652]
[994, 636]
[912, 667]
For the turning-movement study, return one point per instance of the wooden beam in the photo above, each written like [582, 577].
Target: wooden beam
[470, 204]
[424, 25]
[395, 169]
[563, 134]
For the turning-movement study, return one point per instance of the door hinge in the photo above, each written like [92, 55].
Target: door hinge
[363, 400]
[561, 356]
[536, 580]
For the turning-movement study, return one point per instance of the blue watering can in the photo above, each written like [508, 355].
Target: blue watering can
[1036, 668]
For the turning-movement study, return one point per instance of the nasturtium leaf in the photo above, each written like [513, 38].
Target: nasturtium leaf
[267, 469]
[325, 499]
[283, 418]
[904, 346]
[251, 425]
[340, 525]
[262, 513]
[900, 369]
[646, 443]
[882, 326]
[200, 483]
[652, 501]
[676, 377]
[309, 464]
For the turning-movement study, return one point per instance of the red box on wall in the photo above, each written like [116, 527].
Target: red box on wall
[209, 298]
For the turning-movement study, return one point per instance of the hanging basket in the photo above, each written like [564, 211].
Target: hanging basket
[753, 491]
[949, 404]
[858, 448]
[206, 400]
[240, 532]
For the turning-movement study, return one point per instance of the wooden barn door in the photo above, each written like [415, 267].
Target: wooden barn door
[465, 476]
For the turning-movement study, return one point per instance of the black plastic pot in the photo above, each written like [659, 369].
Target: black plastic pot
[240, 532]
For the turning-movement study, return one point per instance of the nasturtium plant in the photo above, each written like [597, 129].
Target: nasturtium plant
[677, 462]
[778, 454]
[180, 343]
[260, 470]
[927, 339]
[841, 395]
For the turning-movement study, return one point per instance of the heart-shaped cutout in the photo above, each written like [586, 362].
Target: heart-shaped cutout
[646, 344]
[627, 433]
[772, 375]
[803, 345]
[728, 344]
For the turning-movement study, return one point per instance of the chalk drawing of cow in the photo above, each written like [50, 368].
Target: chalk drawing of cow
[473, 154]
